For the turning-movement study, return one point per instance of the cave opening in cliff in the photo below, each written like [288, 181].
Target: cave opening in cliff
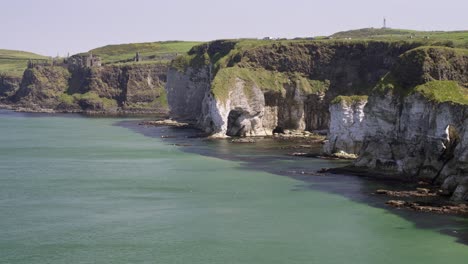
[234, 126]
[278, 130]
[451, 141]
[453, 137]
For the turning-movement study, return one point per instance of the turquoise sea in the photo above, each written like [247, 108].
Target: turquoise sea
[103, 190]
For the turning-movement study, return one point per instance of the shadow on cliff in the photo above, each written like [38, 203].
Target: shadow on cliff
[271, 156]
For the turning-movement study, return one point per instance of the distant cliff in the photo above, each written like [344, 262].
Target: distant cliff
[122, 78]
[130, 87]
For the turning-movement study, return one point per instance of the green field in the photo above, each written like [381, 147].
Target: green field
[13, 62]
[150, 51]
[446, 38]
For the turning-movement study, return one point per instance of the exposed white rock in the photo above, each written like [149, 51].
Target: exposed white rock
[247, 110]
[414, 137]
[418, 138]
[241, 114]
[347, 128]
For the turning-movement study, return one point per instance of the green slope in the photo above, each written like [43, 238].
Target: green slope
[14, 62]
[446, 38]
[150, 51]
[444, 91]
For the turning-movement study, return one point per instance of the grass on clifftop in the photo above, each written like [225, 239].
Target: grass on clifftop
[226, 78]
[265, 80]
[436, 91]
[150, 51]
[424, 64]
[14, 62]
[349, 99]
[444, 38]
[373, 32]
[444, 91]
[237, 47]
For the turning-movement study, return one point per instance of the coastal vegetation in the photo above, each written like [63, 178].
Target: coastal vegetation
[352, 99]
[89, 98]
[443, 91]
[265, 80]
[435, 38]
[437, 73]
[14, 62]
[151, 51]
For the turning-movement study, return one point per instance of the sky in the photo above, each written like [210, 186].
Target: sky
[59, 27]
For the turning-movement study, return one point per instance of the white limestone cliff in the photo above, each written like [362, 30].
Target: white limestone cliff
[347, 130]
[414, 137]
[247, 110]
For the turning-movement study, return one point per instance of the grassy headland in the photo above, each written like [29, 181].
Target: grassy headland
[150, 51]
[14, 62]
[434, 38]
[438, 73]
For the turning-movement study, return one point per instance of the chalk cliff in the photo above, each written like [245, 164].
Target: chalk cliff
[347, 129]
[414, 123]
[417, 138]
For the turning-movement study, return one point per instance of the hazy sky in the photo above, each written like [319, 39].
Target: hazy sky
[50, 27]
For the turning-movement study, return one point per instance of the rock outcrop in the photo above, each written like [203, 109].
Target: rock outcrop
[41, 87]
[74, 87]
[418, 138]
[414, 125]
[347, 130]
[8, 86]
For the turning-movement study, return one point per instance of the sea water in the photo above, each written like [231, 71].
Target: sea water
[88, 190]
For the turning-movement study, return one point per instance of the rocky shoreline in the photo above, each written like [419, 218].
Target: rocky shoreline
[433, 198]
[110, 113]
[461, 209]
[166, 122]
[425, 198]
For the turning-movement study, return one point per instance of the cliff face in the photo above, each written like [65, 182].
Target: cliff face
[233, 89]
[347, 127]
[8, 86]
[127, 87]
[41, 87]
[414, 125]
[132, 87]
[247, 109]
[418, 138]
[186, 90]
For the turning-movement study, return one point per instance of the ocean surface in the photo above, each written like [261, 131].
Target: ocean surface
[100, 190]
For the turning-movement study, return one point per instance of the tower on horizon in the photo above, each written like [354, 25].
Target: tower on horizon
[384, 23]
